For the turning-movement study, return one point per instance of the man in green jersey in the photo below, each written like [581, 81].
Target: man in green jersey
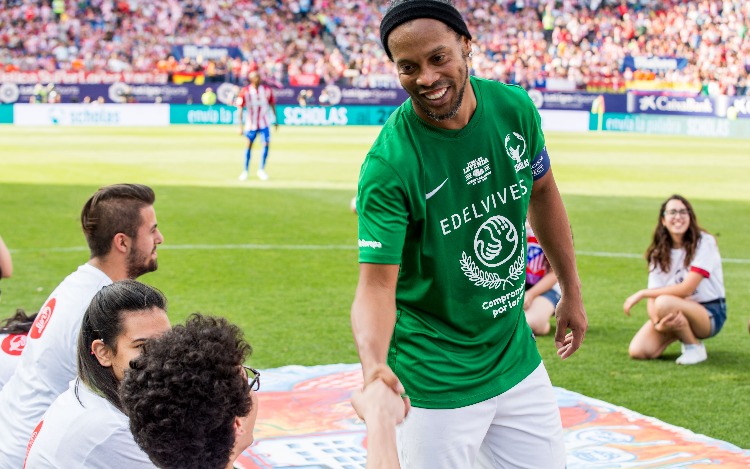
[442, 199]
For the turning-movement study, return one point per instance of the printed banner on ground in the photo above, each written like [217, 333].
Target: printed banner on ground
[305, 420]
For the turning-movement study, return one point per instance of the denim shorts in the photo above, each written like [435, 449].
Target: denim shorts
[552, 296]
[717, 314]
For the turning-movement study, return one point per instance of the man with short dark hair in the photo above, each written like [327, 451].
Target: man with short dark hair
[120, 227]
[442, 199]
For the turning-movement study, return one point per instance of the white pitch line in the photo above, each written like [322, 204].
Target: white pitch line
[322, 247]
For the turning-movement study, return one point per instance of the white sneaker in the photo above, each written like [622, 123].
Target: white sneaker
[243, 176]
[692, 354]
[262, 175]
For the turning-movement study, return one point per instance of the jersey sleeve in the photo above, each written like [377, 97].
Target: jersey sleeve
[655, 278]
[706, 256]
[239, 101]
[383, 216]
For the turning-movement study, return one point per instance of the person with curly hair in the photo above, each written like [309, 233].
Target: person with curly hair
[119, 224]
[190, 399]
[85, 426]
[13, 334]
[686, 297]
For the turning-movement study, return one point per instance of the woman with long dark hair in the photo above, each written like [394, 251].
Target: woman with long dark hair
[85, 426]
[686, 296]
[13, 332]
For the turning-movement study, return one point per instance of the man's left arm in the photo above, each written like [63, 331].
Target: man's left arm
[551, 226]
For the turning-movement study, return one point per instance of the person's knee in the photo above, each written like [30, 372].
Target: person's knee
[539, 323]
[639, 352]
[540, 327]
[665, 304]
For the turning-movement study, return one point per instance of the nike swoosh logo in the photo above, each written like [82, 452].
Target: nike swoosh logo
[434, 191]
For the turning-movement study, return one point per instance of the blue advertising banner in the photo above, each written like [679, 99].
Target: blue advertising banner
[656, 64]
[567, 101]
[739, 108]
[686, 106]
[189, 93]
[334, 115]
[287, 115]
[671, 125]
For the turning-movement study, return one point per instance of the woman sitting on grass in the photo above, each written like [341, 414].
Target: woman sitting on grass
[85, 426]
[686, 299]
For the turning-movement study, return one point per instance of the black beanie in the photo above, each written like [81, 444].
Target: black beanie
[412, 10]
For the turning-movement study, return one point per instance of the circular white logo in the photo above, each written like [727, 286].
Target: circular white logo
[334, 94]
[496, 241]
[537, 98]
[226, 93]
[117, 92]
[9, 93]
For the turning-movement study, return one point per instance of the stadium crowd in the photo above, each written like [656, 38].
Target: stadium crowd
[534, 43]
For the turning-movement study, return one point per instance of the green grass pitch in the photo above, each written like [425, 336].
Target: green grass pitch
[279, 257]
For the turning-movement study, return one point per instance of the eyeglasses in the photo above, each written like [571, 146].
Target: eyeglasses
[674, 213]
[254, 376]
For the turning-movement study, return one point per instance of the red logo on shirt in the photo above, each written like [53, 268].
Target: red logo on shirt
[13, 344]
[31, 442]
[41, 321]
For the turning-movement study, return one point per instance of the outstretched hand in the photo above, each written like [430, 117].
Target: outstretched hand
[378, 401]
[388, 377]
[570, 315]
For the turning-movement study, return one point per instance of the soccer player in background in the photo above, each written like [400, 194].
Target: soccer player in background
[442, 199]
[119, 223]
[254, 103]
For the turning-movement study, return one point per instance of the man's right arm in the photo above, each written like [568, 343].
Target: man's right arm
[374, 316]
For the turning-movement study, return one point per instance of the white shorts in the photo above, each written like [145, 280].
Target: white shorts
[520, 428]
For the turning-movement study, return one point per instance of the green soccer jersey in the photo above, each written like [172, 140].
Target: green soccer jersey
[449, 207]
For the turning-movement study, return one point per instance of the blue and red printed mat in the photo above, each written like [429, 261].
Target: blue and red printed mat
[305, 421]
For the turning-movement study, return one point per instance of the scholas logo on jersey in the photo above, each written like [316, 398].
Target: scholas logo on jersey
[42, 320]
[515, 147]
[13, 344]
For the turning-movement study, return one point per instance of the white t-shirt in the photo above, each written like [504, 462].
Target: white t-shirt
[84, 431]
[11, 346]
[48, 362]
[706, 262]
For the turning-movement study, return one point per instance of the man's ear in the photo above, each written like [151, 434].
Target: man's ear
[466, 45]
[102, 353]
[121, 242]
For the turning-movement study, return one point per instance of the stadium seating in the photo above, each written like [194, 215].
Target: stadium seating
[538, 44]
